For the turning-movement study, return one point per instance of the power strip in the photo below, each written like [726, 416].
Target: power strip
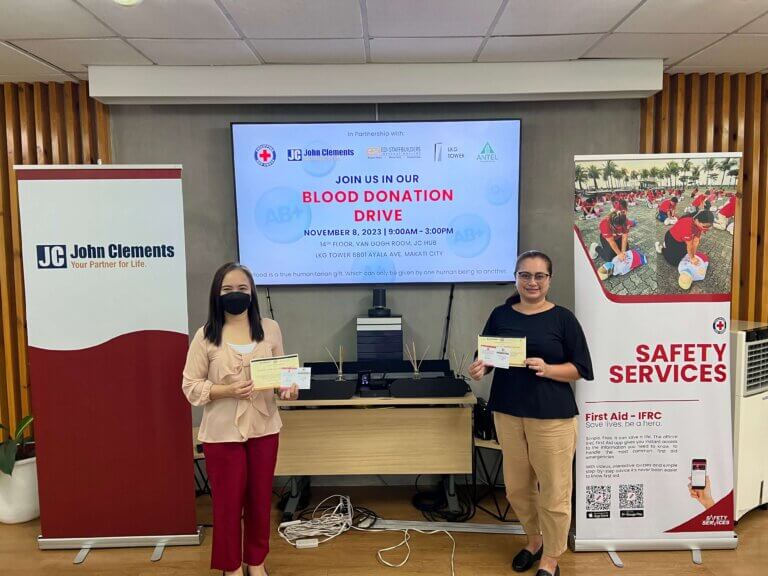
[307, 543]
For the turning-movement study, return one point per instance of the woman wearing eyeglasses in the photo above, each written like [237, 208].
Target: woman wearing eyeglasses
[535, 411]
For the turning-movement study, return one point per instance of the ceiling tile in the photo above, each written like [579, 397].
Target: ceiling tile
[408, 19]
[298, 51]
[670, 47]
[15, 62]
[759, 26]
[714, 69]
[536, 48]
[165, 19]
[48, 19]
[297, 18]
[424, 49]
[749, 52]
[700, 16]
[75, 55]
[530, 17]
[196, 52]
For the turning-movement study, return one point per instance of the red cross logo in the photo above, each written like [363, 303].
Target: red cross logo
[265, 155]
[719, 325]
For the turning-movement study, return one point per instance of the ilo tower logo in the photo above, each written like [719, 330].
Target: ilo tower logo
[265, 155]
[51, 256]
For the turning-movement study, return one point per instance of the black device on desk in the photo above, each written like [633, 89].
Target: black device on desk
[383, 378]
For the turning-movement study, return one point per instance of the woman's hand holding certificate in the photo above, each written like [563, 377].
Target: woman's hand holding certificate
[501, 352]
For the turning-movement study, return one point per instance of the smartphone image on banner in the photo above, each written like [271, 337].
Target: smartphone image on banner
[698, 473]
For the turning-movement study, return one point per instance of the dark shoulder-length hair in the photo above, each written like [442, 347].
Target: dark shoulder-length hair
[215, 324]
[529, 255]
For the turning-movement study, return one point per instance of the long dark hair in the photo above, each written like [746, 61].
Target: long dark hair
[616, 220]
[529, 255]
[215, 324]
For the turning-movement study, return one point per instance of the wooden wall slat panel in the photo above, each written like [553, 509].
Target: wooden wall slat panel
[692, 122]
[677, 105]
[6, 306]
[735, 143]
[72, 123]
[707, 131]
[750, 182]
[762, 237]
[723, 113]
[662, 128]
[12, 137]
[39, 124]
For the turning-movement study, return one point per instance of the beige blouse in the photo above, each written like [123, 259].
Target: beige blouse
[231, 419]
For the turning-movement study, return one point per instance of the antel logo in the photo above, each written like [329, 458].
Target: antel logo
[51, 256]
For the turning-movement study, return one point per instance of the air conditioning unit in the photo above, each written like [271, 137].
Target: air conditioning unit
[749, 371]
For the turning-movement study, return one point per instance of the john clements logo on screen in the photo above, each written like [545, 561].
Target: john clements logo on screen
[51, 256]
[90, 256]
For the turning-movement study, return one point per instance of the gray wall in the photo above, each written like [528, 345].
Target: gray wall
[311, 318]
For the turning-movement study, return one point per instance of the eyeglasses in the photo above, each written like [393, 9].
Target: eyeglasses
[538, 277]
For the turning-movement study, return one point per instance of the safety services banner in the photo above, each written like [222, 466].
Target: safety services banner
[653, 241]
[106, 300]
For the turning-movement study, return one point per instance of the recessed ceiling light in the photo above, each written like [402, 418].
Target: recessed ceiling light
[128, 2]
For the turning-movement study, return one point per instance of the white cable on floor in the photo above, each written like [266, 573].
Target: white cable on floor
[331, 523]
[405, 542]
[335, 521]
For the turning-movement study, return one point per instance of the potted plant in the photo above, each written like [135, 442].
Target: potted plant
[18, 477]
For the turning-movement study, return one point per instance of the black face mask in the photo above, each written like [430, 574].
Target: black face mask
[236, 302]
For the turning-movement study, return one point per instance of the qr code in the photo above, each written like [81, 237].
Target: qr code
[598, 498]
[631, 496]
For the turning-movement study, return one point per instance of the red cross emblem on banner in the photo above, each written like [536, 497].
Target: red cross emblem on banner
[265, 155]
[719, 325]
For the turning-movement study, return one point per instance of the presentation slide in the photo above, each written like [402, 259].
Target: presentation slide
[380, 203]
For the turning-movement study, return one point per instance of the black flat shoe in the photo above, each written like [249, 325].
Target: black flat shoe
[541, 572]
[524, 559]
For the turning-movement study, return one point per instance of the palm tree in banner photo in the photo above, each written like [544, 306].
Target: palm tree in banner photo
[609, 170]
[580, 175]
[645, 174]
[695, 175]
[624, 174]
[655, 174]
[664, 175]
[673, 168]
[734, 173]
[594, 173]
[726, 166]
[607, 178]
[686, 168]
[633, 176]
[709, 167]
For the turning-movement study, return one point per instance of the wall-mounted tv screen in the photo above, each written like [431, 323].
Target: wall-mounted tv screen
[378, 202]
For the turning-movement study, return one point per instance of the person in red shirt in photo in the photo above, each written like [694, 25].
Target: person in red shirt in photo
[614, 236]
[667, 209]
[684, 237]
[725, 216]
[699, 201]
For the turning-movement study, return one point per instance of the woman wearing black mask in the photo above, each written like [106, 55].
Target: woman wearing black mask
[240, 425]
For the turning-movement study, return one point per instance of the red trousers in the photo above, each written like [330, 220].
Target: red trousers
[240, 474]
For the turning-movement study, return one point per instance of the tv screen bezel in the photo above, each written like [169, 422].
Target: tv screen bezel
[374, 123]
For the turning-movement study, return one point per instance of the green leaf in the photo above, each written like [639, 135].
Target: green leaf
[8, 456]
[26, 421]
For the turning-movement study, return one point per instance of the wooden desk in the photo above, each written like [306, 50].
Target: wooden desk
[376, 436]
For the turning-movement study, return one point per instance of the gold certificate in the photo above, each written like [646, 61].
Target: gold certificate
[266, 372]
[501, 352]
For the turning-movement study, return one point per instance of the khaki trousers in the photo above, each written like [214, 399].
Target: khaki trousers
[538, 458]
